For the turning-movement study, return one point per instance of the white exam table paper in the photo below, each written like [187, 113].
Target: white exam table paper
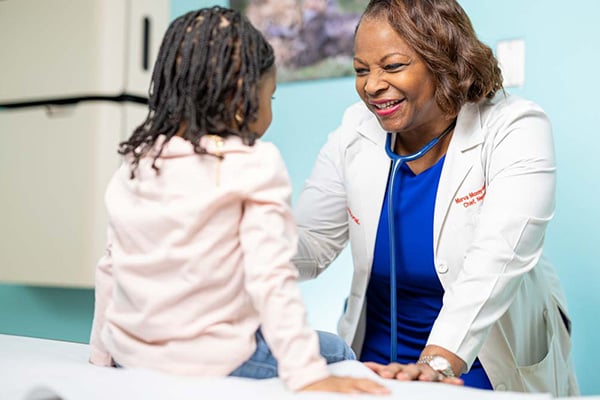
[41, 369]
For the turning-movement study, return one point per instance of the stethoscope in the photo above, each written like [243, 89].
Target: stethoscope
[397, 161]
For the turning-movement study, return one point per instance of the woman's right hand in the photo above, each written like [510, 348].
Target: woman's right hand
[411, 372]
[345, 384]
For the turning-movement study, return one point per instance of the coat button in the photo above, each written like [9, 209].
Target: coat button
[442, 268]
[500, 387]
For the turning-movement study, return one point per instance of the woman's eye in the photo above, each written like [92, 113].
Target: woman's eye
[360, 71]
[395, 66]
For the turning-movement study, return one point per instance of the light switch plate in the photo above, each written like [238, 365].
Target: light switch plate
[511, 56]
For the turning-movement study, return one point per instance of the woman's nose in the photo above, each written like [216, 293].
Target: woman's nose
[375, 82]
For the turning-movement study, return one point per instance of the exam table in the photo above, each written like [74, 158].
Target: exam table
[42, 369]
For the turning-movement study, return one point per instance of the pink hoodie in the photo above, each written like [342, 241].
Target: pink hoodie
[198, 258]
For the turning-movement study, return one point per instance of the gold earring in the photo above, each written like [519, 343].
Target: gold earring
[238, 117]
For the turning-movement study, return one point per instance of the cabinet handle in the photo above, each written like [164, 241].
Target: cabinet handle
[146, 44]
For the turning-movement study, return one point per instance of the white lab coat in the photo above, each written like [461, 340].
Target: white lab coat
[502, 300]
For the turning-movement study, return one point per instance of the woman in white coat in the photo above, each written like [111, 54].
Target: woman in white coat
[471, 294]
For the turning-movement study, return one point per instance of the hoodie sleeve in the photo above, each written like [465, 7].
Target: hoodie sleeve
[269, 241]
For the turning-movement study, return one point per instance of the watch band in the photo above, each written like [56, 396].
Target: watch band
[439, 364]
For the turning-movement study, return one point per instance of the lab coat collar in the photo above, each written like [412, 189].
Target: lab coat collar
[460, 157]
[371, 130]
[468, 135]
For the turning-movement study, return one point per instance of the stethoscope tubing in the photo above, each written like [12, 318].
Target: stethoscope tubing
[397, 161]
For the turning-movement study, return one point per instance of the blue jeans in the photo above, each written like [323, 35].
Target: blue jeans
[262, 364]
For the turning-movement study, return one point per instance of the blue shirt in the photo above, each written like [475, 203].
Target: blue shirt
[418, 289]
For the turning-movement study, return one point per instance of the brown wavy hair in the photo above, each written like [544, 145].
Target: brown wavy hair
[441, 33]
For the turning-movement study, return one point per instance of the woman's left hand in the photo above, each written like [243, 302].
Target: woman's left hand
[411, 372]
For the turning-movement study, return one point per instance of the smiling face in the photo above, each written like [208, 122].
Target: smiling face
[394, 82]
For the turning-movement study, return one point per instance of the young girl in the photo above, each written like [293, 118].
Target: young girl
[197, 278]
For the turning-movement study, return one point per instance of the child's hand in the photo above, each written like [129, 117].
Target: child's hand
[344, 384]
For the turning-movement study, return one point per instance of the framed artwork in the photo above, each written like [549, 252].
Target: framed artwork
[312, 39]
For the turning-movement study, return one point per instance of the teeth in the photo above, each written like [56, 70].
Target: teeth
[389, 104]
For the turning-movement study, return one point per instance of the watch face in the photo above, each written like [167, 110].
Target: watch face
[439, 363]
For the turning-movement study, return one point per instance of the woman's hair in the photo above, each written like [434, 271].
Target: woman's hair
[205, 80]
[440, 32]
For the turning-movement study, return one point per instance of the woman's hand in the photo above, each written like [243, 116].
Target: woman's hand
[411, 372]
[344, 384]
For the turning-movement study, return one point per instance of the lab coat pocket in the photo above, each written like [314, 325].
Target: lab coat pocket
[542, 375]
[564, 330]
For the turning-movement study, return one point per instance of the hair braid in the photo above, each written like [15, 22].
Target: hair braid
[204, 81]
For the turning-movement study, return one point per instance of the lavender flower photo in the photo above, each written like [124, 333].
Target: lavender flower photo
[312, 39]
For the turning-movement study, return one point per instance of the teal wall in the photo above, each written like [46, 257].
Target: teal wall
[53, 313]
[560, 40]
